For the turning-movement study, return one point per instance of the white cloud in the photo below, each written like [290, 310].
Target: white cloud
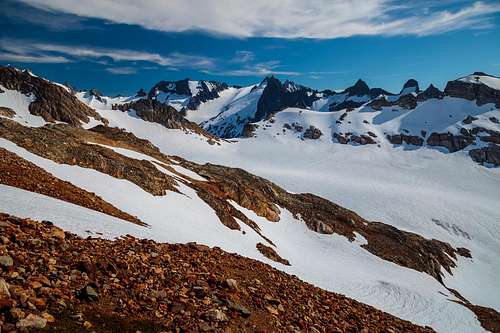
[5, 56]
[243, 56]
[284, 18]
[30, 51]
[121, 70]
[258, 70]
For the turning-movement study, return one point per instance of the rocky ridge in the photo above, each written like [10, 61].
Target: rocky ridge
[197, 92]
[52, 102]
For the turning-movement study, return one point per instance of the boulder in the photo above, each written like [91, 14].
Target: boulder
[6, 261]
[452, 142]
[489, 154]
[469, 119]
[398, 139]
[32, 322]
[362, 139]
[312, 133]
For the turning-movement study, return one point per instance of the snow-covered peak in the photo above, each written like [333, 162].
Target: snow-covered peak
[410, 87]
[482, 78]
[291, 86]
[194, 87]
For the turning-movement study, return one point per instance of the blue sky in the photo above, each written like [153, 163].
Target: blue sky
[121, 46]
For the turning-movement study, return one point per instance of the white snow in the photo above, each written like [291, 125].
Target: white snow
[490, 81]
[194, 87]
[408, 90]
[20, 103]
[231, 120]
[213, 107]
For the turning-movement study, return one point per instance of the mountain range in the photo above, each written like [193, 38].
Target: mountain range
[391, 199]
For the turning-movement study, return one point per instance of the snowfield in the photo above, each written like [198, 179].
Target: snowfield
[345, 266]
[436, 194]
[20, 103]
[490, 81]
[427, 191]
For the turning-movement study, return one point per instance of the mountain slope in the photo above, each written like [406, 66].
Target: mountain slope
[463, 117]
[446, 198]
[167, 287]
[51, 101]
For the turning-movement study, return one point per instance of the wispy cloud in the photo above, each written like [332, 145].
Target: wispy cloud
[243, 56]
[12, 10]
[256, 69]
[5, 56]
[121, 70]
[27, 51]
[287, 18]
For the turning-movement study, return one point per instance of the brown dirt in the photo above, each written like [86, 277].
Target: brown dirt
[6, 112]
[151, 287]
[16, 171]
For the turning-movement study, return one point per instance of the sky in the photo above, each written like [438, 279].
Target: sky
[119, 46]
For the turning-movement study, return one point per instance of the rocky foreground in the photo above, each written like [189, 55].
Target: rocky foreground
[54, 281]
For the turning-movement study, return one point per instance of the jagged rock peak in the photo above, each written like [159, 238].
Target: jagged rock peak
[141, 93]
[410, 86]
[271, 80]
[430, 92]
[187, 87]
[360, 88]
[95, 92]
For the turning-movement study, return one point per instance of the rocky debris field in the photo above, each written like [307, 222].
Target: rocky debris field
[54, 281]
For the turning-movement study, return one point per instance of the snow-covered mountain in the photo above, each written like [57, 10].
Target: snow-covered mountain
[462, 117]
[186, 93]
[417, 237]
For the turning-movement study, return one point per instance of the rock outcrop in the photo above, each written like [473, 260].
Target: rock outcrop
[408, 101]
[477, 91]
[157, 112]
[52, 102]
[410, 86]
[277, 96]
[312, 133]
[451, 142]
[489, 154]
[430, 92]
[17, 172]
[398, 139]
